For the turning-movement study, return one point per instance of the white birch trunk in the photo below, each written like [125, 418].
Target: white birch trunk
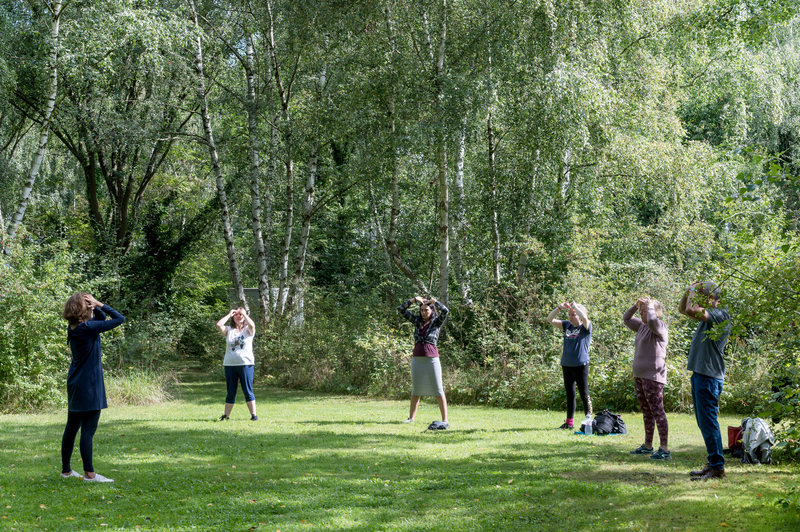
[227, 231]
[289, 165]
[459, 222]
[522, 263]
[33, 171]
[264, 292]
[444, 192]
[391, 237]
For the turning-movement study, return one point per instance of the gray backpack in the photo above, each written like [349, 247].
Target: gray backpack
[757, 440]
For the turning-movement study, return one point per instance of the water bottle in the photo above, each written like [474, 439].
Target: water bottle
[587, 425]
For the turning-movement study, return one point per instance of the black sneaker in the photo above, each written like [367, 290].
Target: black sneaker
[567, 426]
[439, 425]
[254, 418]
[223, 417]
[661, 454]
[642, 450]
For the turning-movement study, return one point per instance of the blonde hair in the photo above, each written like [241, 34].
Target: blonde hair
[582, 309]
[657, 307]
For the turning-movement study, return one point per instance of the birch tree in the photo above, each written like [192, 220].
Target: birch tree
[233, 263]
[33, 172]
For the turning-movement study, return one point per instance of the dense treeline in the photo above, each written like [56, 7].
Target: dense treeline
[343, 156]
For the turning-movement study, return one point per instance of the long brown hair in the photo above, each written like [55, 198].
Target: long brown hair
[76, 309]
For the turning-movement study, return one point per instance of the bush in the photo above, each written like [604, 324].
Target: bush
[34, 357]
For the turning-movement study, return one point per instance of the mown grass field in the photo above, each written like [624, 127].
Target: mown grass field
[325, 462]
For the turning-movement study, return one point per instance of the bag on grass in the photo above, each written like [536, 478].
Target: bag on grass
[609, 423]
[735, 447]
[757, 440]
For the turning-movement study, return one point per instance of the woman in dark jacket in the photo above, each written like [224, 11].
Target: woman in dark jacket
[86, 391]
[426, 371]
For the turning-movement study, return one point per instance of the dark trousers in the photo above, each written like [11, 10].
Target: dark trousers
[234, 375]
[705, 394]
[86, 422]
[577, 376]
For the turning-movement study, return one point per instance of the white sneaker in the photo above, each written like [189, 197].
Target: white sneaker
[71, 474]
[409, 420]
[97, 478]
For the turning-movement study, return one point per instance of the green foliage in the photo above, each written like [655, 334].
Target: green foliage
[35, 281]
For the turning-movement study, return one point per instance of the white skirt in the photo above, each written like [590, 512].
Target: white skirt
[426, 377]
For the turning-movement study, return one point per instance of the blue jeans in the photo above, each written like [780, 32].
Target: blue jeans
[705, 394]
[235, 374]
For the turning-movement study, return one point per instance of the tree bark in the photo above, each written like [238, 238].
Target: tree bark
[444, 192]
[284, 92]
[522, 263]
[33, 171]
[233, 263]
[459, 222]
[265, 294]
[391, 237]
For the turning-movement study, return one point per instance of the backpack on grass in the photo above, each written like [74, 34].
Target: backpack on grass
[757, 440]
[609, 423]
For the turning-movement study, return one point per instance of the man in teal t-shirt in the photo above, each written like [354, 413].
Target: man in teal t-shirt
[699, 303]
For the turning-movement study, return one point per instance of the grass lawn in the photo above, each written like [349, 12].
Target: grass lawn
[325, 462]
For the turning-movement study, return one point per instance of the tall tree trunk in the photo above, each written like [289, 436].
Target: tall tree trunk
[522, 263]
[284, 92]
[33, 171]
[391, 237]
[459, 222]
[305, 230]
[444, 192]
[233, 263]
[490, 137]
[264, 292]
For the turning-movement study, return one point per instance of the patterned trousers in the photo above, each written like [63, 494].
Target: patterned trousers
[651, 399]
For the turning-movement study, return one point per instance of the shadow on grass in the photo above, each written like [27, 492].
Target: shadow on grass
[176, 473]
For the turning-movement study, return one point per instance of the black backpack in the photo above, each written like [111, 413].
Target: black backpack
[609, 423]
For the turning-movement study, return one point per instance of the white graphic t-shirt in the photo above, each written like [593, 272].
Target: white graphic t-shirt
[239, 348]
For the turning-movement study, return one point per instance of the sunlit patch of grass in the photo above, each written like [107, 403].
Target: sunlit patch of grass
[325, 462]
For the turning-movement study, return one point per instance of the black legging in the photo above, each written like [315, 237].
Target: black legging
[87, 423]
[577, 375]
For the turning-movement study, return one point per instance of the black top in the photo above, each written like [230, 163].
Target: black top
[86, 390]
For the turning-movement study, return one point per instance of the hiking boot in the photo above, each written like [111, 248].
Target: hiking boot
[712, 474]
[642, 450]
[661, 454]
[566, 426]
[701, 472]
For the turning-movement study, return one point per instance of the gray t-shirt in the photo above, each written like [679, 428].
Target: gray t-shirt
[705, 354]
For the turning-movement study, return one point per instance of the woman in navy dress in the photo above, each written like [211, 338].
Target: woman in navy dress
[86, 391]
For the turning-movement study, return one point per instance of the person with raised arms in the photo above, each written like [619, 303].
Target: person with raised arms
[86, 390]
[239, 360]
[700, 302]
[650, 372]
[426, 370]
[577, 332]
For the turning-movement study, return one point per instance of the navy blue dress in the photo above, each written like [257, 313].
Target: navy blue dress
[86, 390]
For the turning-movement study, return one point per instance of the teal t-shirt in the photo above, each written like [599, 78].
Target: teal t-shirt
[576, 344]
[705, 353]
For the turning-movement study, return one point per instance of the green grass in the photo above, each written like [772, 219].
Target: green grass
[325, 462]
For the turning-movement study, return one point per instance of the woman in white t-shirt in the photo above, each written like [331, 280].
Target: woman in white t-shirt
[239, 359]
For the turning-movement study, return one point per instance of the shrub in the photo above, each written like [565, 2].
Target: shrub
[34, 357]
